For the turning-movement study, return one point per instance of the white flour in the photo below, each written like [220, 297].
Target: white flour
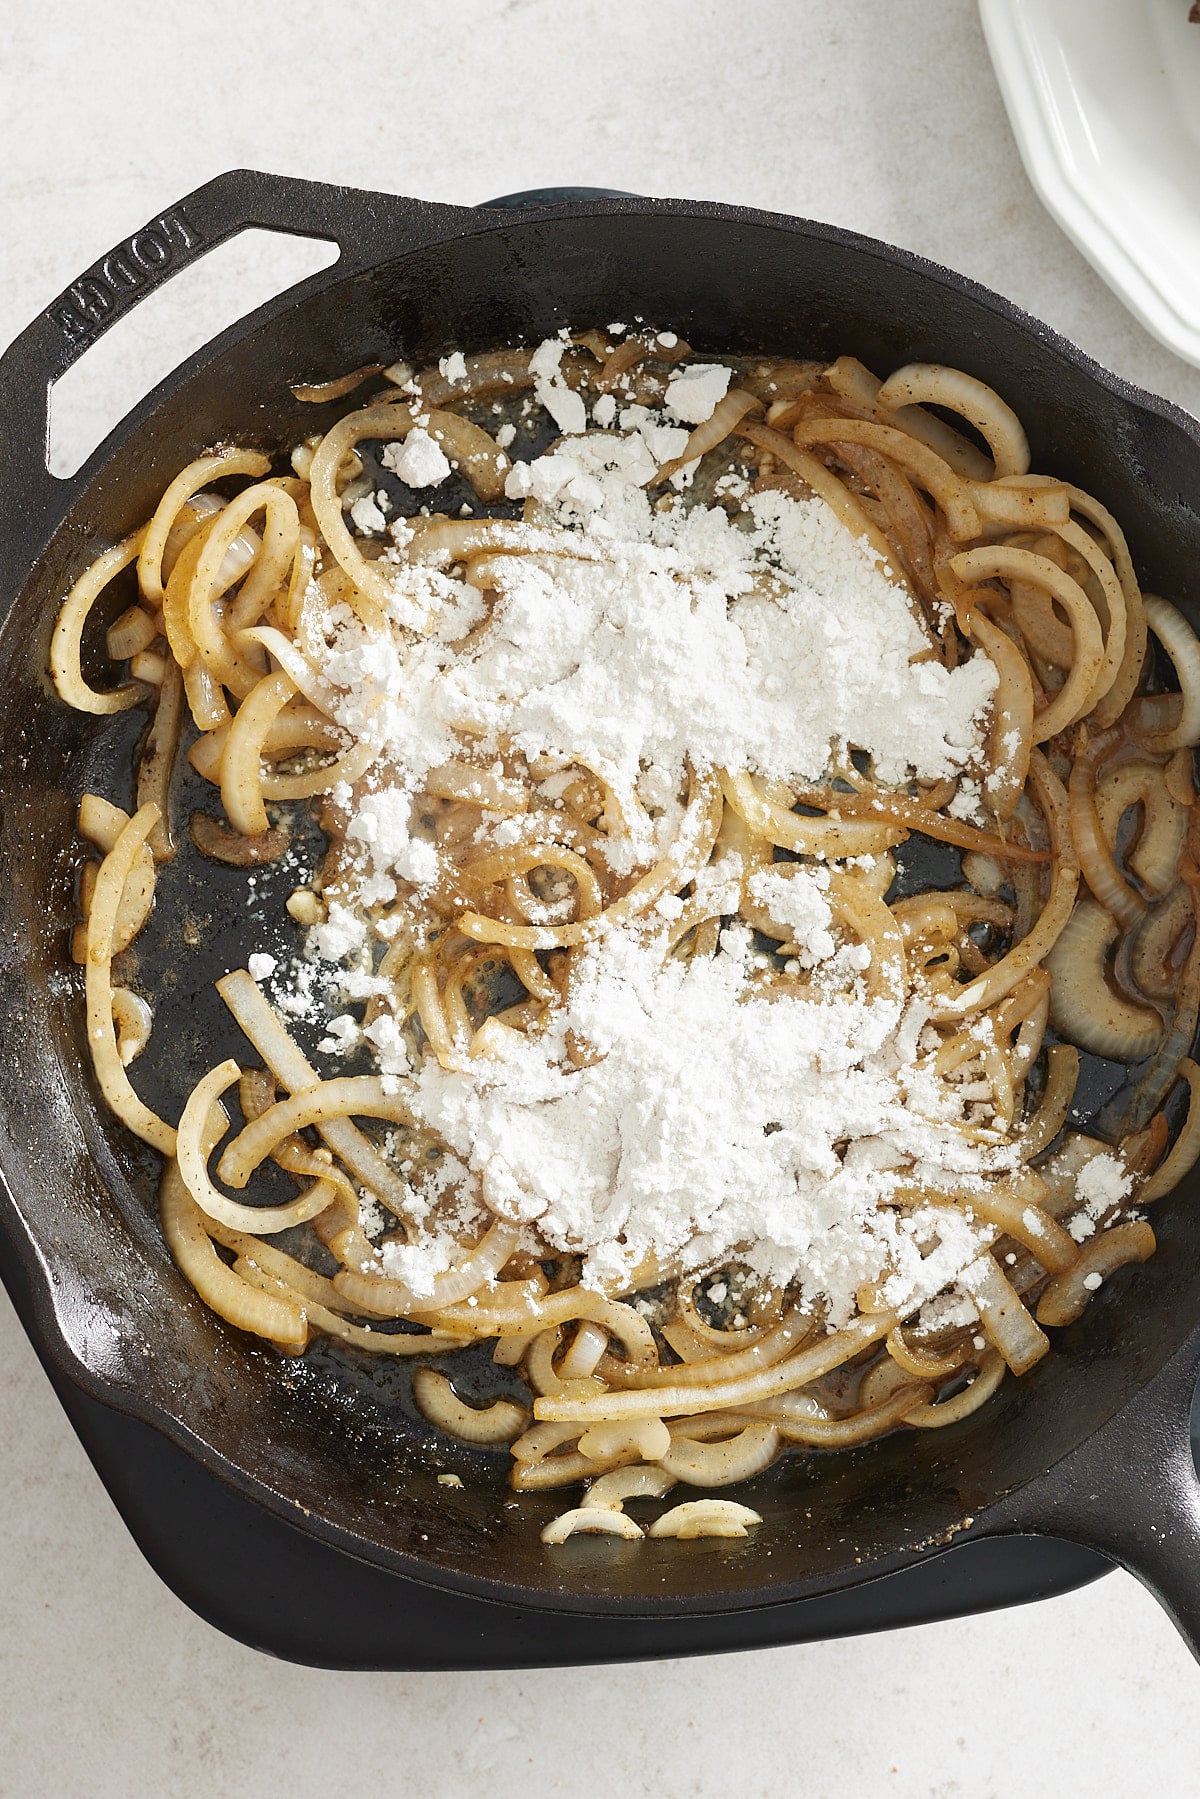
[710, 1122]
[716, 1123]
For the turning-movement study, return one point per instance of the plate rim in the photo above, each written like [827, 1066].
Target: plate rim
[1007, 25]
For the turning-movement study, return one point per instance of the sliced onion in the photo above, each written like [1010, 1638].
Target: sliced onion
[849, 377]
[1156, 856]
[192, 1148]
[1180, 642]
[492, 1424]
[1185, 1151]
[720, 1464]
[316, 393]
[130, 634]
[727, 416]
[395, 1299]
[1096, 859]
[932, 384]
[1178, 1042]
[1033, 948]
[594, 1521]
[1064, 1298]
[1155, 953]
[68, 629]
[472, 452]
[266, 1031]
[1084, 1006]
[1045, 635]
[1113, 595]
[102, 823]
[705, 1518]
[926, 1364]
[219, 844]
[1010, 734]
[923, 466]
[111, 880]
[687, 1398]
[1062, 1074]
[1003, 1315]
[133, 1020]
[183, 488]
[1074, 698]
[281, 1320]
[984, 872]
[1061, 1173]
[1015, 1213]
[1017, 508]
[610, 1492]
[992, 1369]
[903, 516]
[490, 374]
[1110, 708]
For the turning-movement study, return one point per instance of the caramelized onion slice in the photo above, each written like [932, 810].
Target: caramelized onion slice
[1084, 1005]
[992, 1370]
[1005, 1318]
[65, 668]
[218, 843]
[850, 378]
[1156, 856]
[1185, 1151]
[1064, 1298]
[317, 392]
[280, 1319]
[923, 466]
[1158, 947]
[1179, 641]
[1004, 562]
[727, 416]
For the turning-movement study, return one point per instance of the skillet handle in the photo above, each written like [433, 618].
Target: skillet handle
[367, 226]
[1131, 1491]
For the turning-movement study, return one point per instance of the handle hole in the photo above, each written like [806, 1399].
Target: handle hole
[172, 322]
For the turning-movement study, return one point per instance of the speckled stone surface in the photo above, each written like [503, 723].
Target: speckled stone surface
[883, 116]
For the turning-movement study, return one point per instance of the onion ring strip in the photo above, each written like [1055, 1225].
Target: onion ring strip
[101, 928]
[1003, 976]
[1003, 561]
[924, 466]
[262, 1025]
[795, 1371]
[188, 482]
[193, 1158]
[932, 384]
[1184, 1152]
[278, 1318]
[73, 616]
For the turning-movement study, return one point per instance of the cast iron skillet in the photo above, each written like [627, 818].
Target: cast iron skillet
[1092, 1446]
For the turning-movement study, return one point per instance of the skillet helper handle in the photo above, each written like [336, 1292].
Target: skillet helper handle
[367, 226]
[1131, 1491]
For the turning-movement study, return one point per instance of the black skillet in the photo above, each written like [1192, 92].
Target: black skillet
[1093, 1446]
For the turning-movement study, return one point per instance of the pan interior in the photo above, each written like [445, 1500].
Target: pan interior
[333, 1438]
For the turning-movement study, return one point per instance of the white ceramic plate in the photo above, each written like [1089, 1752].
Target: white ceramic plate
[1104, 100]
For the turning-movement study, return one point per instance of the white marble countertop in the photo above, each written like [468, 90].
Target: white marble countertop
[883, 116]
